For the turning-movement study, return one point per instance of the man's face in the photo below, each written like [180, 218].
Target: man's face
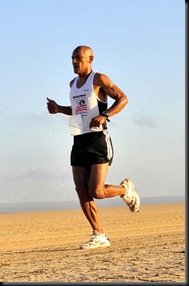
[81, 61]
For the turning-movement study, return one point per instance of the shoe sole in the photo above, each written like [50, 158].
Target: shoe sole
[95, 246]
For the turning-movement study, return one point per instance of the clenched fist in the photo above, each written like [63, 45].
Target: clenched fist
[52, 106]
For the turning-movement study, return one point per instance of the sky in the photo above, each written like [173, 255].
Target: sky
[139, 45]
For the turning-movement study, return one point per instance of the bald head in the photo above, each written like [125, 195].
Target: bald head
[84, 50]
[82, 58]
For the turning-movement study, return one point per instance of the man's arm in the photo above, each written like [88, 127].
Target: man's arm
[102, 82]
[54, 108]
[114, 92]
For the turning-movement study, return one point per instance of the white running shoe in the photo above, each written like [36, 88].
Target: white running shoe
[96, 240]
[131, 198]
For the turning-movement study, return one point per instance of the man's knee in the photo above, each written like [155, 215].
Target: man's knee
[81, 189]
[97, 193]
[82, 192]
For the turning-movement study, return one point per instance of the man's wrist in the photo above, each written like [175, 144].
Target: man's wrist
[105, 113]
[59, 109]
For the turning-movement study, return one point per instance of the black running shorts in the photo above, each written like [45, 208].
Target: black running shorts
[92, 148]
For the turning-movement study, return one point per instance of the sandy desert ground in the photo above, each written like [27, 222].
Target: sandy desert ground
[44, 246]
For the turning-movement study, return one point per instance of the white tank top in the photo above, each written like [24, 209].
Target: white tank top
[85, 106]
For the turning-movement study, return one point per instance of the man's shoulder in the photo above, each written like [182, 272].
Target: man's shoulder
[100, 78]
[72, 81]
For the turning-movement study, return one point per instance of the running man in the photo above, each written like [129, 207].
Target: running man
[92, 150]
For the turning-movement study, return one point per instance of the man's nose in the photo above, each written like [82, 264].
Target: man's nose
[74, 60]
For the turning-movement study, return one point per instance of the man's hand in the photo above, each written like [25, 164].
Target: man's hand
[52, 106]
[97, 121]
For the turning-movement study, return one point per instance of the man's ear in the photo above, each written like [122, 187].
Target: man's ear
[91, 58]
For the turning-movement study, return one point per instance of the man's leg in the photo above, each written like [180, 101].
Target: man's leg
[97, 188]
[88, 205]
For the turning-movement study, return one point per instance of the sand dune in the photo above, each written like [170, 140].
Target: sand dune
[44, 246]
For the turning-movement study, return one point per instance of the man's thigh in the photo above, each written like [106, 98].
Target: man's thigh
[97, 176]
